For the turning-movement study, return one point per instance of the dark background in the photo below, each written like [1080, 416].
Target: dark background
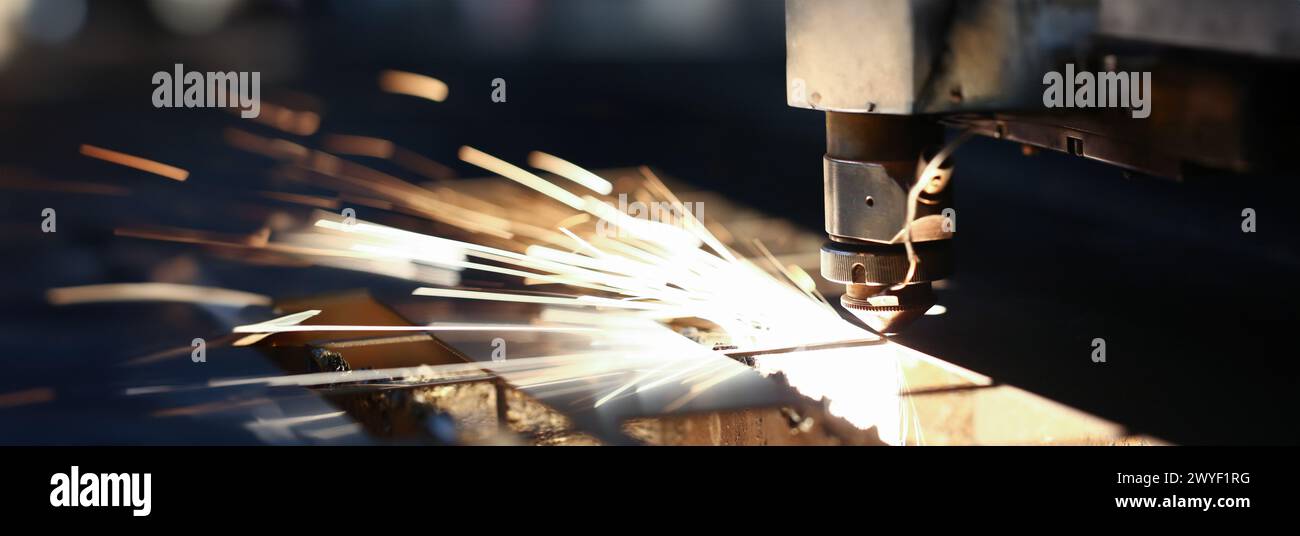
[1052, 250]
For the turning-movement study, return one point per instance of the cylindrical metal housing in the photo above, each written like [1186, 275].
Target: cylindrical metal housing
[870, 164]
[870, 167]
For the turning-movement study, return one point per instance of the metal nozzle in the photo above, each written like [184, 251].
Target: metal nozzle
[871, 273]
[885, 309]
[871, 164]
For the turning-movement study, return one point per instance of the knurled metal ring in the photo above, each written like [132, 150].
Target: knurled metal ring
[884, 264]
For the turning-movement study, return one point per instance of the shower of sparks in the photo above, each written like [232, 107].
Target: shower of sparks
[616, 281]
[648, 271]
[131, 161]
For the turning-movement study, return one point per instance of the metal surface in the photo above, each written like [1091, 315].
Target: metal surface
[862, 201]
[1208, 112]
[935, 56]
[1266, 28]
[584, 388]
[927, 56]
[860, 56]
[870, 165]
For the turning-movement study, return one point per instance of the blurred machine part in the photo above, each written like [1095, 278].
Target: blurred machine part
[888, 74]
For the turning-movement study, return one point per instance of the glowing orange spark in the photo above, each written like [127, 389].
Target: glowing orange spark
[415, 85]
[142, 164]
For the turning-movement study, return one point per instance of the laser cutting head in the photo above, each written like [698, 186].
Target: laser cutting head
[885, 72]
[871, 166]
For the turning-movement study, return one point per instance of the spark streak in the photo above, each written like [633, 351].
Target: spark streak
[415, 85]
[131, 161]
[261, 328]
[520, 175]
[570, 171]
[129, 292]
